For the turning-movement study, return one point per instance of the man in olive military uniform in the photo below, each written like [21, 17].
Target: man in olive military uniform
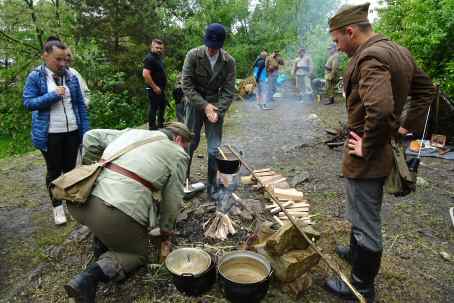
[139, 191]
[208, 79]
[331, 73]
[380, 76]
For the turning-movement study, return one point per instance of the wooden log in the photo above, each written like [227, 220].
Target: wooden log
[288, 194]
[296, 207]
[278, 220]
[247, 180]
[277, 209]
[271, 179]
[291, 265]
[296, 289]
[303, 203]
[288, 238]
[265, 174]
[261, 170]
[271, 206]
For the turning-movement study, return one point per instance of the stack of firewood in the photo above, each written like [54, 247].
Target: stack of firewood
[293, 200]
[219, 227]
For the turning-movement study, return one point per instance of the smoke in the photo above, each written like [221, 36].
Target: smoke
[227, 186]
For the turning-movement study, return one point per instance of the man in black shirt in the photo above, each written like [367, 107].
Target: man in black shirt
[155, 77]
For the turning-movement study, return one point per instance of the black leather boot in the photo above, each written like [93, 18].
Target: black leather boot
[345, 252]
[366, 264]
[82, 288]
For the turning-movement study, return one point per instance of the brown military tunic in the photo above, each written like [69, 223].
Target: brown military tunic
[379, 78]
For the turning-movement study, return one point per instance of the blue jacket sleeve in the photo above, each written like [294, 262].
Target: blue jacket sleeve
[81, 108]
[31, 96]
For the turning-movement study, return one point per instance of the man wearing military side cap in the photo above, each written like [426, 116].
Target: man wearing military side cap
[379, 78]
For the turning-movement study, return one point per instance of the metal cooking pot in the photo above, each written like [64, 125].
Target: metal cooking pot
[244, 276]
[228, 166]
[193, 270]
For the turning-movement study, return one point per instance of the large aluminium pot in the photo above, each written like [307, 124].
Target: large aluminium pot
[193, 270]
[244, 276]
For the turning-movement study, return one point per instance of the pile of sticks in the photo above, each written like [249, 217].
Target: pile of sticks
[219, 227]
[293, 200]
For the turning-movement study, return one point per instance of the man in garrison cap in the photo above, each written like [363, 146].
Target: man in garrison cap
[380, 76]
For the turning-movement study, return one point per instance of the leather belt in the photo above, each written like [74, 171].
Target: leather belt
[127, 173]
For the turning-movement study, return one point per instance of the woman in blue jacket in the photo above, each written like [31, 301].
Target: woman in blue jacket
[59, 116]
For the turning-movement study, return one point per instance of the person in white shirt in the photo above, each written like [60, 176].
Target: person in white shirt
[303, 70]
[59, 116]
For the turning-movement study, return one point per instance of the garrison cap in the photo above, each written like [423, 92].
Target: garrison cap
[180, 129]
[349, 14]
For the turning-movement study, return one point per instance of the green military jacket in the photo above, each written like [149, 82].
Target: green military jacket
[201, 85]
[162, 162]
[332, 67]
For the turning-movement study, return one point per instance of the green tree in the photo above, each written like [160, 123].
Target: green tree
[426, 28]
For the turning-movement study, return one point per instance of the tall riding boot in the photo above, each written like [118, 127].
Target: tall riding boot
[365, 266]
[345, 252]
[212, 186]
[82, 288]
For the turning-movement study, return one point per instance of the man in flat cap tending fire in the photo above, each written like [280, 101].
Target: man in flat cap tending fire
[379, 78]
[208, 80]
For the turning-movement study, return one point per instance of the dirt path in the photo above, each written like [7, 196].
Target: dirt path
[36, 258]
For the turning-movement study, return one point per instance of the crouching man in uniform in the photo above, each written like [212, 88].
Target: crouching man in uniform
[380, 76]
[127, 198]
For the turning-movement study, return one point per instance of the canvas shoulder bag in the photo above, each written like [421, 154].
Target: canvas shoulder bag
[77, 184]
[401, 181]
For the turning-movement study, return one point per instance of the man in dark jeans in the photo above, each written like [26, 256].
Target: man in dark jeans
[155, 77]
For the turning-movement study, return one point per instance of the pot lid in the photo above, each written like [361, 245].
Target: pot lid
[193, 261]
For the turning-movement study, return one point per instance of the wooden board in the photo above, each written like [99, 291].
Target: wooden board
[288, 194]
[261, 170]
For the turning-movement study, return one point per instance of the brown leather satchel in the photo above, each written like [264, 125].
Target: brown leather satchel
[77, 184]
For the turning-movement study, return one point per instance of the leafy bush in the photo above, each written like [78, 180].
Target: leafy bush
[114, 107]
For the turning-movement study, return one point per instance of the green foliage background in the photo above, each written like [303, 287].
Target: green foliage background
[110, 38]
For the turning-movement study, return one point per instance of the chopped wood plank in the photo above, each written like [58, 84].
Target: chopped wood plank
[278, 220]
[299, 205]
[261, 170]
[270, 179]
[265, 173]
[288, 194]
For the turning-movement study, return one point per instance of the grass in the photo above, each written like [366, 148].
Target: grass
[4, 146]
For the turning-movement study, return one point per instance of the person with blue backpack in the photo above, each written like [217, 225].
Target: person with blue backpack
[260, 76]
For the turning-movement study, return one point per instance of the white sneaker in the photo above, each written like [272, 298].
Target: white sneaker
[59, 215]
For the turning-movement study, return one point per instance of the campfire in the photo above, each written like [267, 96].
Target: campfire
[220, 226]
